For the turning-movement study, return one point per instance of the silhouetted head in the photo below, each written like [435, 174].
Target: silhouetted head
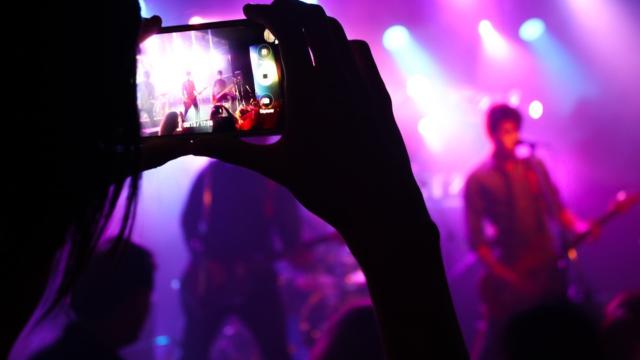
[622, 327]
[170, 123]
[112, 296]
[559, 330]
[83, 140]
[503, 127]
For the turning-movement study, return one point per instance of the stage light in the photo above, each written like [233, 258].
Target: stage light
[484, 103]
[175, 284]
[532, 29]
[493, 42]
[514, 98]
[196, 20]
[485, 28]
[536, 109]
[396, 38]
[162, 340]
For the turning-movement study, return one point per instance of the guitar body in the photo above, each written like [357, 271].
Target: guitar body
[209, 283]
[544, 281]
[226, 94]
[192, 98]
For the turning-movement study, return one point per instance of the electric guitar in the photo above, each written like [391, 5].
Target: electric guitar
[209, 279]
[226, 91]
[622, 203]
[189, 99]
[502, 298]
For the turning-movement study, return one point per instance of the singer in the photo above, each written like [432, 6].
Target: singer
[510, 205]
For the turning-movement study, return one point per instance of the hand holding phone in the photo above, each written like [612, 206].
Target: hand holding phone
[211, 78]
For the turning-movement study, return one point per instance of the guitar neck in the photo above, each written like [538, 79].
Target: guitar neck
[599, 222]
[623, 202]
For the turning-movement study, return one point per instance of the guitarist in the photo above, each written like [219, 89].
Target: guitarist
[220, 92]
[510, 203]
[147, 97]
[189, 96]
[235, 223]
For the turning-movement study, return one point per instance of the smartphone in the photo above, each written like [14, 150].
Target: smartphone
[213, 78]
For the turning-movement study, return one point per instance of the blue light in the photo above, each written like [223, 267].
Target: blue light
[162, 340]
[396, 38]
[175, 284]
[143, 9]
[532, 29]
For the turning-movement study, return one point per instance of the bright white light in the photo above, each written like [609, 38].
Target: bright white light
[493, 42]
[196, 20]
[514, 98]
[396, 38]
[536, 109]
[143, 9]
[485, 27]
[420, 88]
[484, 103]
[532, 29]
[433, 133]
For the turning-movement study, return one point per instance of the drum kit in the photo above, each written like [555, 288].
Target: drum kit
[330, 280]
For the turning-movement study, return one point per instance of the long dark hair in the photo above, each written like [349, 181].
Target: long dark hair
[81, 145]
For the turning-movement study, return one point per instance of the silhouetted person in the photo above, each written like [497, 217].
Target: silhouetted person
[85, 154]
[622, 327]
[190, 96]
[170, 124]
[110, 303]
[147, 97]
[554, 331]
[220, 93]
[351, 335]
[234, 222]
[516, 199]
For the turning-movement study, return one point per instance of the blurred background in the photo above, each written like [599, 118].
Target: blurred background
[571, 67]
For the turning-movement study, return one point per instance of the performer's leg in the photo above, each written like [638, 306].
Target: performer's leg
[264, 315]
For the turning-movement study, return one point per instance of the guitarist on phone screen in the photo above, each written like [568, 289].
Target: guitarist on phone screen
[510, 204]
[190, 96]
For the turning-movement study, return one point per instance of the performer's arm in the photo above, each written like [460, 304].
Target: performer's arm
[557, 207]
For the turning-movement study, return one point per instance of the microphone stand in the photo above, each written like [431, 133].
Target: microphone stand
[574, 282]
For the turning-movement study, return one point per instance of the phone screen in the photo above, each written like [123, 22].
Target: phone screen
[210, 78]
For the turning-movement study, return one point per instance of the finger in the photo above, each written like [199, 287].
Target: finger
[314, 20]
[366, 66]
[343, 47]
[388, 131]
[148, 27]
[293, 47]
[263, 159]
